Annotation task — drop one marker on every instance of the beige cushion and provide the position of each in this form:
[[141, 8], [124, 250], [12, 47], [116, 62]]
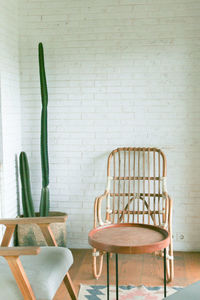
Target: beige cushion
[[45, 272]]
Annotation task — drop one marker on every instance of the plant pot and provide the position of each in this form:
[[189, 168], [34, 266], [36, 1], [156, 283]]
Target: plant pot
[[31, 235]]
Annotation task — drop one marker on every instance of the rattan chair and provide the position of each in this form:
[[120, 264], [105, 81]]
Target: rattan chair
[[136, 193]]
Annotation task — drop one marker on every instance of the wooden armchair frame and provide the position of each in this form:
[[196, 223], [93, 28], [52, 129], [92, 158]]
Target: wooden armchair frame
[[11, 254], [136, 192]]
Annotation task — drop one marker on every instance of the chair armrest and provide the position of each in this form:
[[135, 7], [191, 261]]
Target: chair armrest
[[97, 209], [170, 204], [169, 199], [35, 220], [17, 251], [104, 195]]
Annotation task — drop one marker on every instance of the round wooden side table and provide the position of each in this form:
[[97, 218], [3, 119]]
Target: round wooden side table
[[129, 238]]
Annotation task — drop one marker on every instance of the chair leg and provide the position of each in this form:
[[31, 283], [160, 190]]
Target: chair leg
[[70, 287], [170, 263], [170, 249], [171, 266], [48, 234], [170, 270], [95, 273], [20, 277], [8, 235]]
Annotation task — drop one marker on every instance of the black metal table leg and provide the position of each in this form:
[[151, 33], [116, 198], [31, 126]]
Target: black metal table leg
[[117, 287], [165, 280], [108, 255]]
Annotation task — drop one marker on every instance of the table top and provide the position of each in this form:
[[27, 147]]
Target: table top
[[129, 238]]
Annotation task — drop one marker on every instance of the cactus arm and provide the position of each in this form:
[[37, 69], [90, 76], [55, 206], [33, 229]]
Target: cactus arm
[[27, 202]]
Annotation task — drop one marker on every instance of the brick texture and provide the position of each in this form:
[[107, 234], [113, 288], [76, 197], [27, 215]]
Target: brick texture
[[10, 111], [120, 73]]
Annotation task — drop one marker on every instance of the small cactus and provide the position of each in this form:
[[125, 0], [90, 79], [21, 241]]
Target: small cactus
[[27, 202]]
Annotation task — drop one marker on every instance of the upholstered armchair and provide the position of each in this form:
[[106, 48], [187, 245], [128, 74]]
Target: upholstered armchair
[[33, 273], [190, 292]]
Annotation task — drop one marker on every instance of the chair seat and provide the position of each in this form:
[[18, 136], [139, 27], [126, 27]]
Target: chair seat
[[191, 292], [45, 272]]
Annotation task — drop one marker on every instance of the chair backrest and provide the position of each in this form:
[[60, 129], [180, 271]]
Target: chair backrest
[[136, 186]]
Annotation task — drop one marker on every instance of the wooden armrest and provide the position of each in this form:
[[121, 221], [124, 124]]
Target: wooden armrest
[[35, 220], [17, 251]]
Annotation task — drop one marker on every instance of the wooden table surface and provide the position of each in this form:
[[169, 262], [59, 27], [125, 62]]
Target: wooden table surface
[[129, 238]]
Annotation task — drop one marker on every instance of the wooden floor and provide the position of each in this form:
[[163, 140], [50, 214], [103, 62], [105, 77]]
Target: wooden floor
[[133, 269]]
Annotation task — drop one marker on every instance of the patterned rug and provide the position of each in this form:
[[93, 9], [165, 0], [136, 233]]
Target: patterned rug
[[99, 292]]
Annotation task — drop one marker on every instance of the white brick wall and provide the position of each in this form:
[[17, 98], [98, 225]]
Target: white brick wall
[[120, 73], [10, 127]]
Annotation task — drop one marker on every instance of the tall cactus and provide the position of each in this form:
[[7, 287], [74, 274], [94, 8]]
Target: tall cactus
[[24, 167], [44, 201], [27, 202]]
